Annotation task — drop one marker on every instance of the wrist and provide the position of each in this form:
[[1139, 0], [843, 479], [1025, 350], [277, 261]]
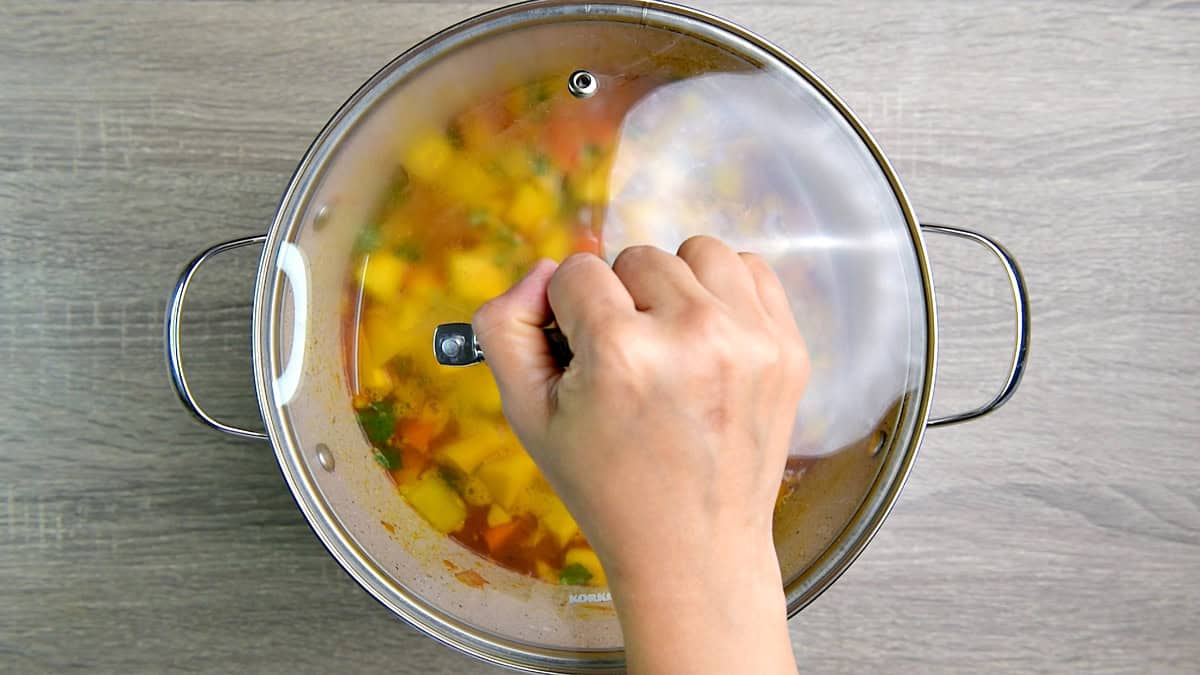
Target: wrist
[[722, 613]]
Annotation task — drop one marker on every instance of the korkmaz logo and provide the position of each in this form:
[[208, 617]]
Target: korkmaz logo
[[579, 598]]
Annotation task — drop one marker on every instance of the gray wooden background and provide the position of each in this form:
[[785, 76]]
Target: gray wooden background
[[1060, 534]]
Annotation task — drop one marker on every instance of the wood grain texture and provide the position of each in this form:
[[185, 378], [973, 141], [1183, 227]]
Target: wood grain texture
[[1060, 534]]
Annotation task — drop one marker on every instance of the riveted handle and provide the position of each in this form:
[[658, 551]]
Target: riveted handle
[[173, 328], [1016, 281]]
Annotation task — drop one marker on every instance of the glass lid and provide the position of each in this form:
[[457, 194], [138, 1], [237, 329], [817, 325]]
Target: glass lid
[[537, 131]]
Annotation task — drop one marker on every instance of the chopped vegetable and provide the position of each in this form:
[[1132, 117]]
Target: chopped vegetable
[[436, 501], [475, 277], [387, 459], [474, 200], [507, 477], [382, 274], [587, 559], [455, 136], [378, 421], [407, 251], [574, 575], [559, 523], [501, 536], [532, 207], [429, 156], [497, 516], [368, 240], [474, 492]]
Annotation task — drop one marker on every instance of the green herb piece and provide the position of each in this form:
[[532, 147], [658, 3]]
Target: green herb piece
[[394, 194], [407, 251], [401, 365], [541, 164], [368, 240], [574, 575], [387, 459], [507, 237], [378, 421], [455, 136], [591, 152], [536, 93]]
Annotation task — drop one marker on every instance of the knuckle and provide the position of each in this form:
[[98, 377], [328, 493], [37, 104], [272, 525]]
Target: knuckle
[[699, 244], [490, 321], [633, 257], [568, 270], [574, 260], [489, 315], [706, 322]]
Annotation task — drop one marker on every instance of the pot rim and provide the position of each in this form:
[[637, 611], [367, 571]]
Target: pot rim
[[268, 297]]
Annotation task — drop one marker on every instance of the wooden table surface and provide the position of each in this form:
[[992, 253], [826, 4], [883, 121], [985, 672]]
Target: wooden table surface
[[1060, 534]]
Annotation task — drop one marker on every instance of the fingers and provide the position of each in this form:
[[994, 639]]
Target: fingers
[[720, 270], [656, 279], [583, 293], [509, 329], [769, 290]]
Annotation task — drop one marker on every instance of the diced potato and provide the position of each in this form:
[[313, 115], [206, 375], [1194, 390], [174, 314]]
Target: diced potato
[[545, 572], [470, 184], [532, 207], [382, 275], [392, 329], [496, 515], [560, 523], [587, 558], [474, 492], [535, 501], [377, 381], [556, 245], [465, 454], [474, 275], [593, 186], [437, 502], [477, 442], [514, 164], [429, 156], [507, 477]]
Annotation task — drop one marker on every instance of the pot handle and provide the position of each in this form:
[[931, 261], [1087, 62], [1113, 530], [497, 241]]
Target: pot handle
[[173, 326], [1016, 368]]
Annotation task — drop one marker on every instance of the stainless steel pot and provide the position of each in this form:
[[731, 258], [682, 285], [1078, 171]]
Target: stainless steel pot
[[832, 218]]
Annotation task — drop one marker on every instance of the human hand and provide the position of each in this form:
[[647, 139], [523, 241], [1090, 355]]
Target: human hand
[[667, 434]]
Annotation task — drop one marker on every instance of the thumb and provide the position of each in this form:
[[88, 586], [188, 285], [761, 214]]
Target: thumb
[[509, 329]]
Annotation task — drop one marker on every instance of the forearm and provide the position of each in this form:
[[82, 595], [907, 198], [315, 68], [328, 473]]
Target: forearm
[[722, 614]]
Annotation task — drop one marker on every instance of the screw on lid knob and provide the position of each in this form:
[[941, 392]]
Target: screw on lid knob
[[454, 344], [582, 84]]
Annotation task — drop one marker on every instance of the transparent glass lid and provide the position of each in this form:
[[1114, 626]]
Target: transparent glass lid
[[534, 132]]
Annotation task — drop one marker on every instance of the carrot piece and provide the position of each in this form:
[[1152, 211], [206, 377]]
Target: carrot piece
[[418, 433], [499, 536], [412, 463], [563, 140], [586, 241]]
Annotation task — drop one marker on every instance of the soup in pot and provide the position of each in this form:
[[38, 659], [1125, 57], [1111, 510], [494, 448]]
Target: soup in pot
[[519, 176]]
